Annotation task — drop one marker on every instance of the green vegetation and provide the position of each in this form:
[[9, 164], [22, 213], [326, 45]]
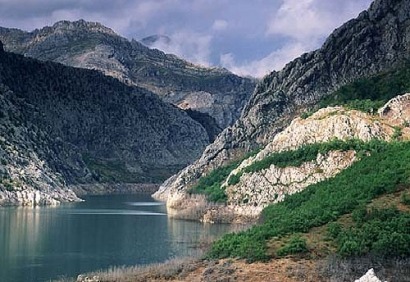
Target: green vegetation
[[383, 232], [296, 245], [210, 185], [306, 153], [369, 94], [307, 114], [397, 133], [405, 199], [381, 172]]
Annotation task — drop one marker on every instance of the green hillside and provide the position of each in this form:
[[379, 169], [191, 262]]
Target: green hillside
[[385, 170]]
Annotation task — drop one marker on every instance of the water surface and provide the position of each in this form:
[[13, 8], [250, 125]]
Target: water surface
[[45, 243]]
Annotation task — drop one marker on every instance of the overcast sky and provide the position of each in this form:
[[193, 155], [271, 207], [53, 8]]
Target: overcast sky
[[249, 37]]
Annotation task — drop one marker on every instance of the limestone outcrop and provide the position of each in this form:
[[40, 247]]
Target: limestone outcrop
[[255, 190], [370, 276]]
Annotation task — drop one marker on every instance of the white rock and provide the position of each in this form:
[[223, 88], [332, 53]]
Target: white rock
[[370, 276]]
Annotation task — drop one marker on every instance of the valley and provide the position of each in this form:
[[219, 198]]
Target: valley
[[309, 166]]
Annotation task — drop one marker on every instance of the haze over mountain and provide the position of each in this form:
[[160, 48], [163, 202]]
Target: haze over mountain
[[213, 91]]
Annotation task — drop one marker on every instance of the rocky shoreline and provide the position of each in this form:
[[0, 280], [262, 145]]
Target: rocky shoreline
[[31, 197]]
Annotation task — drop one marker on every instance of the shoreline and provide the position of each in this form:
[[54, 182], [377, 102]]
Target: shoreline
[[113, 188], [71, 193]]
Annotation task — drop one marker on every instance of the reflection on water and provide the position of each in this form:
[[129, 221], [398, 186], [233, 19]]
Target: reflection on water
[[39, 244], [112, 212]]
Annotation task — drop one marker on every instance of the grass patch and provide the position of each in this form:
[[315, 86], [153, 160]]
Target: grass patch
[[385, 169]]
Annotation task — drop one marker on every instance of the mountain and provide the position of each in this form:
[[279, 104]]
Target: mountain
[[213, 91], [62, 126], [377, 41]]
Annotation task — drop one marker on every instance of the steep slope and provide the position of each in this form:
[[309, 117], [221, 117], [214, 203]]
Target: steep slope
[[376, 41], [308, 151], [62, 126], [213, 91]]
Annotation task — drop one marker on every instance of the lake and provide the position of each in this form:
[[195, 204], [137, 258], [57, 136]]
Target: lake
[[45, 243]]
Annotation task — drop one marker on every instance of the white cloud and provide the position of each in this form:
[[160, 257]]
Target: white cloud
[[259, 68], [189, 45], [220, 25], [301, 26], [301, 19]]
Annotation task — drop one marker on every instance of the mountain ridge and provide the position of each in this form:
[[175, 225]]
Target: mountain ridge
[[63, 126], [214, 91]]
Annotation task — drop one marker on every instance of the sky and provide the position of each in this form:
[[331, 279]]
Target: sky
[[248, 37]]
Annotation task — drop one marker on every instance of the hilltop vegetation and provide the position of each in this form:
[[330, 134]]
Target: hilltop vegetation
[[369, 94]]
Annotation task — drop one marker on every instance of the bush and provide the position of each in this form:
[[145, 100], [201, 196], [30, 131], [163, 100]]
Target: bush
[[234, 179], [384, 232], [334, 229], [296, 245], [210, 185], [405, 199], [369, 94]]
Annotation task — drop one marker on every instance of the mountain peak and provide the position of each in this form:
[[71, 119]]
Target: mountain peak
[[81, 25]]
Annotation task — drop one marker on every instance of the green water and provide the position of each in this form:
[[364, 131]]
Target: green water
[[41, 244]]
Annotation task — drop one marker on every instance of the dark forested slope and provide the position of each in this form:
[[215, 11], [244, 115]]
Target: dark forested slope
[[88, 127]]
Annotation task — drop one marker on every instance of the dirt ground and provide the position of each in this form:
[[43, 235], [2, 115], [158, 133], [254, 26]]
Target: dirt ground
[[281, 270]]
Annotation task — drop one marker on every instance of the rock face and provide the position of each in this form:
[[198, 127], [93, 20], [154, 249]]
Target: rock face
[[213, 91], [271, 185], [370, 276], [377, 40], [61, 126], [253, 191]]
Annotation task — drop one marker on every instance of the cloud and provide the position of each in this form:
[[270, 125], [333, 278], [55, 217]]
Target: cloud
[[301, 26], [189, 45], [261, 67], [263, 34], [307, 19], [220, 25]]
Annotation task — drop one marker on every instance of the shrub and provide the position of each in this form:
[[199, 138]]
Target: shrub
[[405, 199], [296, 245], [210, 185], [334, 229], [384, 232]]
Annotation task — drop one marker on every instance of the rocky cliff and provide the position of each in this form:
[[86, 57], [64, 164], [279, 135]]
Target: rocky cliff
[[377, 40], [61, 126], [259, 182], [213, 91]]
